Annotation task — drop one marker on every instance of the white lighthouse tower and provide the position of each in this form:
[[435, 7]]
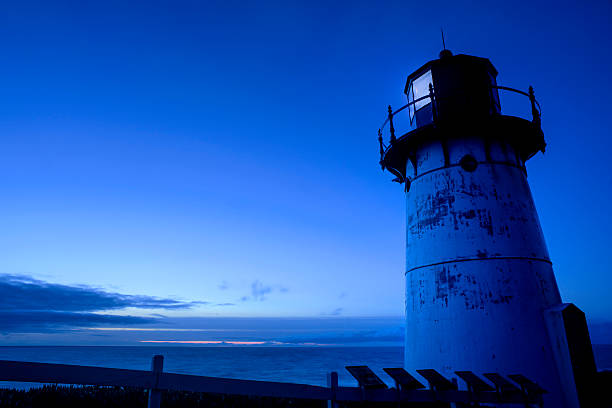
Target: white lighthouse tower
[[480, 289]]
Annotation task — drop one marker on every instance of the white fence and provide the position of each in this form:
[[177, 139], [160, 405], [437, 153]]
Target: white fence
[[156, 381]]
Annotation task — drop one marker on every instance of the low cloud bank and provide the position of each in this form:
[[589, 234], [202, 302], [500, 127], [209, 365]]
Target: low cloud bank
[[32, 305]]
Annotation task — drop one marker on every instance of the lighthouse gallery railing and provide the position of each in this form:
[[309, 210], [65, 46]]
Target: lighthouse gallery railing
[[536, 111]]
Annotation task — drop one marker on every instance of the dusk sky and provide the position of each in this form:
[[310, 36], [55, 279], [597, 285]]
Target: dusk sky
[[163, 163]]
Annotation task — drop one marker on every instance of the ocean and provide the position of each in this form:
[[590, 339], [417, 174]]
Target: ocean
[[305, 365]]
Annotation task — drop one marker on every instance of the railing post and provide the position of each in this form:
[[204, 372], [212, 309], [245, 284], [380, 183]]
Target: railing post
[[391, 128], [534, 112], [157, 367], [332, 383], [434, 113], [382, 150]]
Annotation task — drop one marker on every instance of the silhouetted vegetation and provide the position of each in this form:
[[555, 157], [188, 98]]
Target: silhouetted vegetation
[[125, 397]]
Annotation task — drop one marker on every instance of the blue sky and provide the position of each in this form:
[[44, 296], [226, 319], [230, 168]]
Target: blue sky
[[219, 159]]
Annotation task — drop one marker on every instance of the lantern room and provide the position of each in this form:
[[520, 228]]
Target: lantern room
[[453, 97], [454, 87]]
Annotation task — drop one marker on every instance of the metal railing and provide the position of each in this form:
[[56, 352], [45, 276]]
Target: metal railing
[[156, 381], [535, 112]]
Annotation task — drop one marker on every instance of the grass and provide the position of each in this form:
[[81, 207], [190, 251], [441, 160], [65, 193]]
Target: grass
[[125, 397]]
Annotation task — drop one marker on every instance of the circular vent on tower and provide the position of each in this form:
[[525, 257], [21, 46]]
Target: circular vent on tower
[[468, 163]]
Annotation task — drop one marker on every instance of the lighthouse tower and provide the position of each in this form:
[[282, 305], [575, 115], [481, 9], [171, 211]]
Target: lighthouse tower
[[481, 294]]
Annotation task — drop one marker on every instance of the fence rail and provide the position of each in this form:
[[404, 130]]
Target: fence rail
[[156, 381]]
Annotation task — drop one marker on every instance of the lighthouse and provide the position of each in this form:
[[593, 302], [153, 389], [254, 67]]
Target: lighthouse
[[481, 294]]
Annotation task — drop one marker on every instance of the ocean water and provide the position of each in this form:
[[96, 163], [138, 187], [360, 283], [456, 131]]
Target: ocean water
[[305, 365]]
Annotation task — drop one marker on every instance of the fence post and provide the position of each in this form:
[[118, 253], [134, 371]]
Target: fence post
[[332, 383], [157, 367]]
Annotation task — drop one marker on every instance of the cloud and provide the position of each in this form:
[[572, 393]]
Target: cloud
[[391, 336], [322, 331], [27, 304], [207, 342], [36, 321], [95, 329], [223, 286], [225, 304], [336, 312], [25, 293], [259, 291]]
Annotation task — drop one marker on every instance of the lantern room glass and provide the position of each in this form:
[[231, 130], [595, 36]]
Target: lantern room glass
[[419, 87]]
